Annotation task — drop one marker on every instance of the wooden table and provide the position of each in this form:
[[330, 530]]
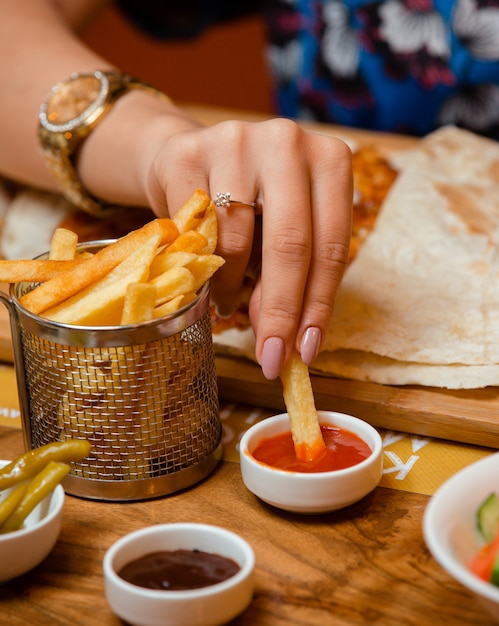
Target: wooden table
[[366, 564]]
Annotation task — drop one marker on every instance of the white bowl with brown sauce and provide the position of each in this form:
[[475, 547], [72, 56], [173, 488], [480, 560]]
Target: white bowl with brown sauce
[[180, 574], [314, 489]]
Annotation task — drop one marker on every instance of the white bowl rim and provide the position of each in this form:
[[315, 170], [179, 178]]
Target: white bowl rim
[[182, 594], [57, 502], [452, 565], [307, 476]]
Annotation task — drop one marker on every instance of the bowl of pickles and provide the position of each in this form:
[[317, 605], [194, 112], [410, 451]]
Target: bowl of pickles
[[32, 503]]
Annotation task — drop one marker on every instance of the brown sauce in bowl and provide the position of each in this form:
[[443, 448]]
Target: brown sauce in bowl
[[174, 570]]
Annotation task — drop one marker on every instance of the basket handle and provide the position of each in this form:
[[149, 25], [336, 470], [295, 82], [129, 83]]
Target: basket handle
[[22, 389]]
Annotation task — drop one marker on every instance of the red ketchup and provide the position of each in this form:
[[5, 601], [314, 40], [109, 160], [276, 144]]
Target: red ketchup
[[172, 570], [343, 449]]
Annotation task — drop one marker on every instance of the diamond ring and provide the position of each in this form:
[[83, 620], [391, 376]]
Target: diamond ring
[[223, 199]]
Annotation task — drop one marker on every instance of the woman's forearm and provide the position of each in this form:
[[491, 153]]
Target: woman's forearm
[[40, 41]]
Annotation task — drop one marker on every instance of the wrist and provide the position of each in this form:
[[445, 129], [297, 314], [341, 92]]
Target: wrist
[[115, 162]]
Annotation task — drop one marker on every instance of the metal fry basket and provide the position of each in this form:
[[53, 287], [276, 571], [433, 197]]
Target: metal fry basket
[[145, 396]]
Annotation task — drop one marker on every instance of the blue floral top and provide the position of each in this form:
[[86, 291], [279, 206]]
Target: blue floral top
[[396, 65], [406, 66]]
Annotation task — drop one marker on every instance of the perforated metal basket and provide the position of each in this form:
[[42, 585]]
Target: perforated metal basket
[[145, 396]]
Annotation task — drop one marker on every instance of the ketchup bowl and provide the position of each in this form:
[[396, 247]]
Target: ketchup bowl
[[315, 491], [188, 595]]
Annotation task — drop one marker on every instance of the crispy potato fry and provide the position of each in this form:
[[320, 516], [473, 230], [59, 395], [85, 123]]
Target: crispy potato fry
[[203, 267], [189, 216], [63, 245], [300, 405], [58, 289], [176, 257], [174, 305], [97, 306], [190, 241], [164, 262], [209, 228], [139, 302], [173, 283], [34, 270], [109, 289]]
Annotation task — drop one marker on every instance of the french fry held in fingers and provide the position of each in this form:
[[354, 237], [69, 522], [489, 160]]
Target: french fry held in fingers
[[300, 405]]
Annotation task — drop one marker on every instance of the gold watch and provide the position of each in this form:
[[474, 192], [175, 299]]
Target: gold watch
[[70, 112]]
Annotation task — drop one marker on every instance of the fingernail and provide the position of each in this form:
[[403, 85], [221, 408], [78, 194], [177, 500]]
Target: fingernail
[[272, 357], [310, 342]]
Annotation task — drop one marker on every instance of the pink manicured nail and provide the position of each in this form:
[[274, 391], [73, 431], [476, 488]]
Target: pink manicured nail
[[310, 342], [272, 357]]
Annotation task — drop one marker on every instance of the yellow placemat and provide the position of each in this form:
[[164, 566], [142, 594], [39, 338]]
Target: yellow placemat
[[411, 463], [9, 402]]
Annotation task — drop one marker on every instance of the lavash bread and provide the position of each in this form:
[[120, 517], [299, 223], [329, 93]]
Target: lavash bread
[[420, 304]]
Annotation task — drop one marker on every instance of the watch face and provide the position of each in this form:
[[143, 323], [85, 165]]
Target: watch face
[[73, 101]]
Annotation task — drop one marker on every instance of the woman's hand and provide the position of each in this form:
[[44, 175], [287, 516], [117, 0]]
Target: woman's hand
[[302, 185]]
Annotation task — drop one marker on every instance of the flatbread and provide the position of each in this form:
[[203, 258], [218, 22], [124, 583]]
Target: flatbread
[[420, 304]]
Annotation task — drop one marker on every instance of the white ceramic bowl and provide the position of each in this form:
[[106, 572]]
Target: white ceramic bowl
[[450, 530], [24, 549], [310, 493], [206, 606]]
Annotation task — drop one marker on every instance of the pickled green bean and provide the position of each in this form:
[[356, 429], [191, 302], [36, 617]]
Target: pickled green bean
[[9, 504], [41, 485], [33, 461]]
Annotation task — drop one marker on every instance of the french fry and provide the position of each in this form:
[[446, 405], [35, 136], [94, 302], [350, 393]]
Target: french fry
[[191, 214], [139, 302], [203, 267], [300, 405], [174, 305], [164, 262], [63, 245], [34, 270], [173, 283], [190, 241], [97, 307], [58, 289], [105, 295], [208, 227]]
